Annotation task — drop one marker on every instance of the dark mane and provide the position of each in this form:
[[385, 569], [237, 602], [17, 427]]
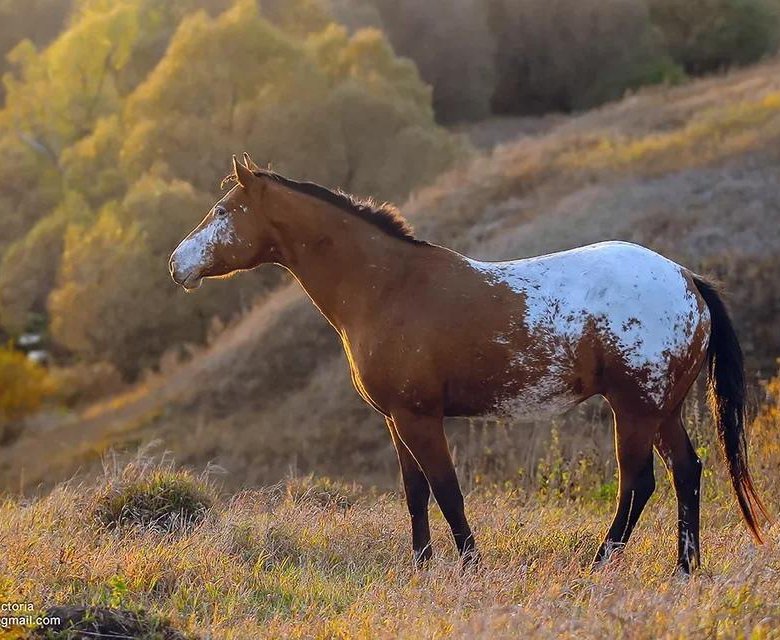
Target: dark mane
[[385, 216]]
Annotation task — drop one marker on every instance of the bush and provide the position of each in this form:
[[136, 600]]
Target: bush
[[563, 55], [24, 386], [453, 48], [162, 500], [707, 35], [83, 383]]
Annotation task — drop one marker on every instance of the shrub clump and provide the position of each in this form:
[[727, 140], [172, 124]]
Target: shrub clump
[[709, 35], [164, 501], [24, 386]]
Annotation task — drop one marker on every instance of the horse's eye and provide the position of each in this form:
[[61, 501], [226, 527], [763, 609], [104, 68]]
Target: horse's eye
[[220, 211]]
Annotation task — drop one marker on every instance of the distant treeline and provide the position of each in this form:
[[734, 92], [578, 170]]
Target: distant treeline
[[507, 56], [534, 56]]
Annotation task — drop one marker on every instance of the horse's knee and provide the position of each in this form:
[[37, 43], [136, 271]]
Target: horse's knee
[[638, 487], [646, 482], [687, 479]]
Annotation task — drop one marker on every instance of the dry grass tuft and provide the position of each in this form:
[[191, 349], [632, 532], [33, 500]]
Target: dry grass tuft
[[158, 499], [322, 491]]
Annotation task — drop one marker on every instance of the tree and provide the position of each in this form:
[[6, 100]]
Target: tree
[[562, 55], [28, 269], [23, 388], [38, 21], [707, 35], [114, 299], [453, 47], [136, 135], [242, 83]]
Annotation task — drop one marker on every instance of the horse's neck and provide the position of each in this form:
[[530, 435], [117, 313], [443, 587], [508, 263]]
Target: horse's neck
[[344, 263]]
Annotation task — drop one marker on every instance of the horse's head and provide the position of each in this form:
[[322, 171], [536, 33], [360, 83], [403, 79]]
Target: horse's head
[[232, 237]]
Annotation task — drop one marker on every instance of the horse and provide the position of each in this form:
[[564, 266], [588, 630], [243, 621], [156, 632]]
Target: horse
[[429, 333]]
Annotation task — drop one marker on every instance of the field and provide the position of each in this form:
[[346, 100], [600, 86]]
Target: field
[[316, 559], [150, 550]]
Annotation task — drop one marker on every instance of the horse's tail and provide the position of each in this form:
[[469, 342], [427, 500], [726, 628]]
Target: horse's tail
[[726, 397]]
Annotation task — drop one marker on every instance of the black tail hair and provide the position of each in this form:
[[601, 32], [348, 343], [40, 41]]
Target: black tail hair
[[726, 396]]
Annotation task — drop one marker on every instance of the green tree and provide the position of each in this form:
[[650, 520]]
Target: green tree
[[563, 55], [452, 45], [707, 35]]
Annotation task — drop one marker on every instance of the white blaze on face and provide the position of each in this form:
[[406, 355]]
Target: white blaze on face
[[195, 253]]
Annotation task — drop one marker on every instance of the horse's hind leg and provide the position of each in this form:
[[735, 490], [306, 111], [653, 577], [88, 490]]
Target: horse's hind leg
[[678, 454], [634, 448]]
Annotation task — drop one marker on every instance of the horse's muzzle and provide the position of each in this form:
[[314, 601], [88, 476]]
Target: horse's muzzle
[[189, 280]]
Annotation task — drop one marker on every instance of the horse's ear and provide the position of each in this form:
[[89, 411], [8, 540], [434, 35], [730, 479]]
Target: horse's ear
[[243, 175], [250, 164]]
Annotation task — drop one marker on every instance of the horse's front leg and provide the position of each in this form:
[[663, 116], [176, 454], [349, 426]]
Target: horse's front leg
[[417, 493], [424, 438]]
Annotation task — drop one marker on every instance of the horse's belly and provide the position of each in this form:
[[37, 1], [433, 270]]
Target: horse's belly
[[519, 396], [536, 402]]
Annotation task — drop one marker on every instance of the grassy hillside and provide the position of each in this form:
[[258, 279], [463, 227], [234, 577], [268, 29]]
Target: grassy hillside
[[692, 171]]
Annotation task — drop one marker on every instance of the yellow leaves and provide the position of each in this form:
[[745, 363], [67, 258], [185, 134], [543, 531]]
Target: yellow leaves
[[100, 39], [23, 386], [765, 444], [139, 88], [367, 57], [71, 83]]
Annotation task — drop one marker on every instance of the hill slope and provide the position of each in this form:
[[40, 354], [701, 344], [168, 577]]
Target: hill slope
[[692, 172]]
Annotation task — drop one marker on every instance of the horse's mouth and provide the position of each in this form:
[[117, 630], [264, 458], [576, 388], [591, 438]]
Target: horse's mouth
[[191, 282]]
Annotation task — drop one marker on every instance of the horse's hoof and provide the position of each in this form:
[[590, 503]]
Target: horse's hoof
[[422, 558], [471, 561], [682, 570]]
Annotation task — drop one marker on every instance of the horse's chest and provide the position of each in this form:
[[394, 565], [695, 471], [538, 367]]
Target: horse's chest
[[391, 376]]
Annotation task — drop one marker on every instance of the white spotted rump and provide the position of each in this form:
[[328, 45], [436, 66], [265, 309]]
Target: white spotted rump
[[640, 304]]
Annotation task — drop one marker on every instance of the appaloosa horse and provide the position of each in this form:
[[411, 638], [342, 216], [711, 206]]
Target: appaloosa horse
[[430, 333]]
